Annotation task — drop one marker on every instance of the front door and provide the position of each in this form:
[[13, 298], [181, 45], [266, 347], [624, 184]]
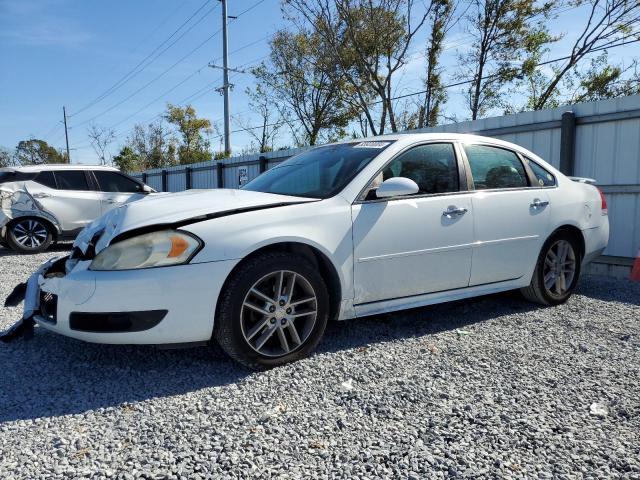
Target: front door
[[417, 244], [511, 217], [116, 189]]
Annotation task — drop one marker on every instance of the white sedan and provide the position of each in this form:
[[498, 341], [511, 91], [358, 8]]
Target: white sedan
[[340, 231]]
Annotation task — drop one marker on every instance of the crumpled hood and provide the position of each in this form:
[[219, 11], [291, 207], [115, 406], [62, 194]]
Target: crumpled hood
[[176, 208]]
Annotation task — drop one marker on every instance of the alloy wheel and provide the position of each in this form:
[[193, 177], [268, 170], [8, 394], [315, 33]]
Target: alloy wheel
[[278, 313], [559, 268], [30, 233]]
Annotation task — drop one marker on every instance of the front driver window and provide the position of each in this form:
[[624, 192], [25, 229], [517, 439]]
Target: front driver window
[[114, 182], [432, 166], [493, 167]]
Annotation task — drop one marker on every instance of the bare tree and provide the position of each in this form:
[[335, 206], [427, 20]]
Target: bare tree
[[100, 139], [271, 122], [609, 22]]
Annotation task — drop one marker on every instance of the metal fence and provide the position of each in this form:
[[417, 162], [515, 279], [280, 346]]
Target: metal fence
[[599, 140]]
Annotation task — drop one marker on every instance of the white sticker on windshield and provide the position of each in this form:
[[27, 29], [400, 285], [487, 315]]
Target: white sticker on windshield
[[371, 144]]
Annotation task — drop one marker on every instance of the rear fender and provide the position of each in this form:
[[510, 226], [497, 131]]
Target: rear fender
[[18, 203]]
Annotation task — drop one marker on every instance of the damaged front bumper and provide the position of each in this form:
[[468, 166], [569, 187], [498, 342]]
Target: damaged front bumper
[[39, 306]]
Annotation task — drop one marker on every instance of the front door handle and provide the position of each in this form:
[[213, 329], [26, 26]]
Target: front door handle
[[454, 211], [112, 201], [537, 203], [41, 195]]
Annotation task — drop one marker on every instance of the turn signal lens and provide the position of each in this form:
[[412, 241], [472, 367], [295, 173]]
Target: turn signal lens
[[155, 249]]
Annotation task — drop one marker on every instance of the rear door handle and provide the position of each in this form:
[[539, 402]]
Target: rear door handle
[[111, 201], [454, 211], [537, 203]]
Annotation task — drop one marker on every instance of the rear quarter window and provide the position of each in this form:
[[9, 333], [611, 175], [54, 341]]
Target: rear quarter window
[[543, 177]]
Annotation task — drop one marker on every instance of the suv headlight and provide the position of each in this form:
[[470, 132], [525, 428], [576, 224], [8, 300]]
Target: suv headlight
[[155, 249]]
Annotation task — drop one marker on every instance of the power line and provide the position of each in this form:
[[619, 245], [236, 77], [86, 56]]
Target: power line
[[134, 71]]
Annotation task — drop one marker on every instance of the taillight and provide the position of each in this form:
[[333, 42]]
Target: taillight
[[603, 201]]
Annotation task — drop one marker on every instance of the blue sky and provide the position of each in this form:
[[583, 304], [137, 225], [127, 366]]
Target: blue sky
[[65, 52]]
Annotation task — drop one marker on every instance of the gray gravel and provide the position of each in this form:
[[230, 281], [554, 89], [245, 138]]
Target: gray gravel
[[482, 388]]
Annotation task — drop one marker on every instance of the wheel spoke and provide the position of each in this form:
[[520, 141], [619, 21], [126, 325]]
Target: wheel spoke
[[301, 301], [283, 340], [256, 308], [549, 280], [291, 286], [303, 314], [257, 328], [279, 284], [19, 229], [294, 334], [264, 297], [266, 335]]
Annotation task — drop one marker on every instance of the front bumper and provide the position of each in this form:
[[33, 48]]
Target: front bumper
[[166, 305]]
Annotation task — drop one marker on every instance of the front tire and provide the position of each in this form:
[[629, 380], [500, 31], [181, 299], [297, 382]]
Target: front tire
[[273, 310], [29, 235], [555, 277]]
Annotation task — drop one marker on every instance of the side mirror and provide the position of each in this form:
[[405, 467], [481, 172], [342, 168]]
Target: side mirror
[[396, 187], [147, 189]]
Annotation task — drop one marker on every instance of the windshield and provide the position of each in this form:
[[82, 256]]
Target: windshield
[[318, 173]]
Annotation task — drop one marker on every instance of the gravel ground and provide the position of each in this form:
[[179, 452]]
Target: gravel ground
[[492, 387]]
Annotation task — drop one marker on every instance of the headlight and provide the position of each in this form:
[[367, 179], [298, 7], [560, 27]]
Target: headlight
[[156, 249]]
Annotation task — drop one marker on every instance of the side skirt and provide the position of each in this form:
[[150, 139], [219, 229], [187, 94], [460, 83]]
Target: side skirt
[[395, 304]]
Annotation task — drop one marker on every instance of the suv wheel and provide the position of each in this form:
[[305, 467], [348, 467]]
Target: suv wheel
[[29, 235], [273, 311]]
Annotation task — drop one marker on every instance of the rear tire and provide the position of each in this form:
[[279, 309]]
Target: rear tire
[[272, 310], [29, 235], [557, 271]]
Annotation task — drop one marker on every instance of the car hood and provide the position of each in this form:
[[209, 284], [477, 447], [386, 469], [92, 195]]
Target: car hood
[[174, 210]]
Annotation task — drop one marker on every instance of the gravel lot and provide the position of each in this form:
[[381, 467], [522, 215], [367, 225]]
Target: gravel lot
[[482, 388]]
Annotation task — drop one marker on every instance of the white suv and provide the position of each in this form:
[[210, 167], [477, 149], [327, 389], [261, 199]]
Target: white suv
[[45, 203]]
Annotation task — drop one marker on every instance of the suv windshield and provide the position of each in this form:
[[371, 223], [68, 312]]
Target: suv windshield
[[318, 173]]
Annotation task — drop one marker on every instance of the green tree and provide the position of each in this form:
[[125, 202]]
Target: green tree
[[194, 146], [128, 161], [153, 145], [310, 98], [368, 43], [38, 152], [6, 158], [504, 33]]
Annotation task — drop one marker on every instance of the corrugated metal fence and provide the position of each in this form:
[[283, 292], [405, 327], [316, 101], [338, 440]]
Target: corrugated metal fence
[[599, 140]]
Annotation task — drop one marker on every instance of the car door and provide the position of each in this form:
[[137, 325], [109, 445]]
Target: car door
[[415, 244], [73, 201], [115, 189], [511, 215]]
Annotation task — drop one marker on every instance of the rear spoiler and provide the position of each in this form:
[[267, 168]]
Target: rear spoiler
[[590, 181]]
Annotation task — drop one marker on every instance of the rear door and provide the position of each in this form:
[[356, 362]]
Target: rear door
[[416, 244], [511, 214], [115, 189], [73, 202]]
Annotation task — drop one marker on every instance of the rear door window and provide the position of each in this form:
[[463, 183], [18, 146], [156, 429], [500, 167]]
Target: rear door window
[[46, 178], [115, 182], [493, 167], [72, 180]]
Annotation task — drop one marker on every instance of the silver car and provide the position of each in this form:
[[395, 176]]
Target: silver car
[[45, 203]]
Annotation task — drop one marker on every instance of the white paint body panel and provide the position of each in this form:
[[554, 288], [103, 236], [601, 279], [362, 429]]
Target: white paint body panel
[[388, 255]]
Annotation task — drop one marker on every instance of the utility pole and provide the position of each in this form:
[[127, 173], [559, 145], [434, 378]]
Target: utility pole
[[66, 134], [225, 79]]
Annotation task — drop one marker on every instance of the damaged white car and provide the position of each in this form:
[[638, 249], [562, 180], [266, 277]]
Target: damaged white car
[[340, 231], [42, 204]]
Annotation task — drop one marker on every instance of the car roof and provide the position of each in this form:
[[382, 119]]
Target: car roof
[[58, 166]]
